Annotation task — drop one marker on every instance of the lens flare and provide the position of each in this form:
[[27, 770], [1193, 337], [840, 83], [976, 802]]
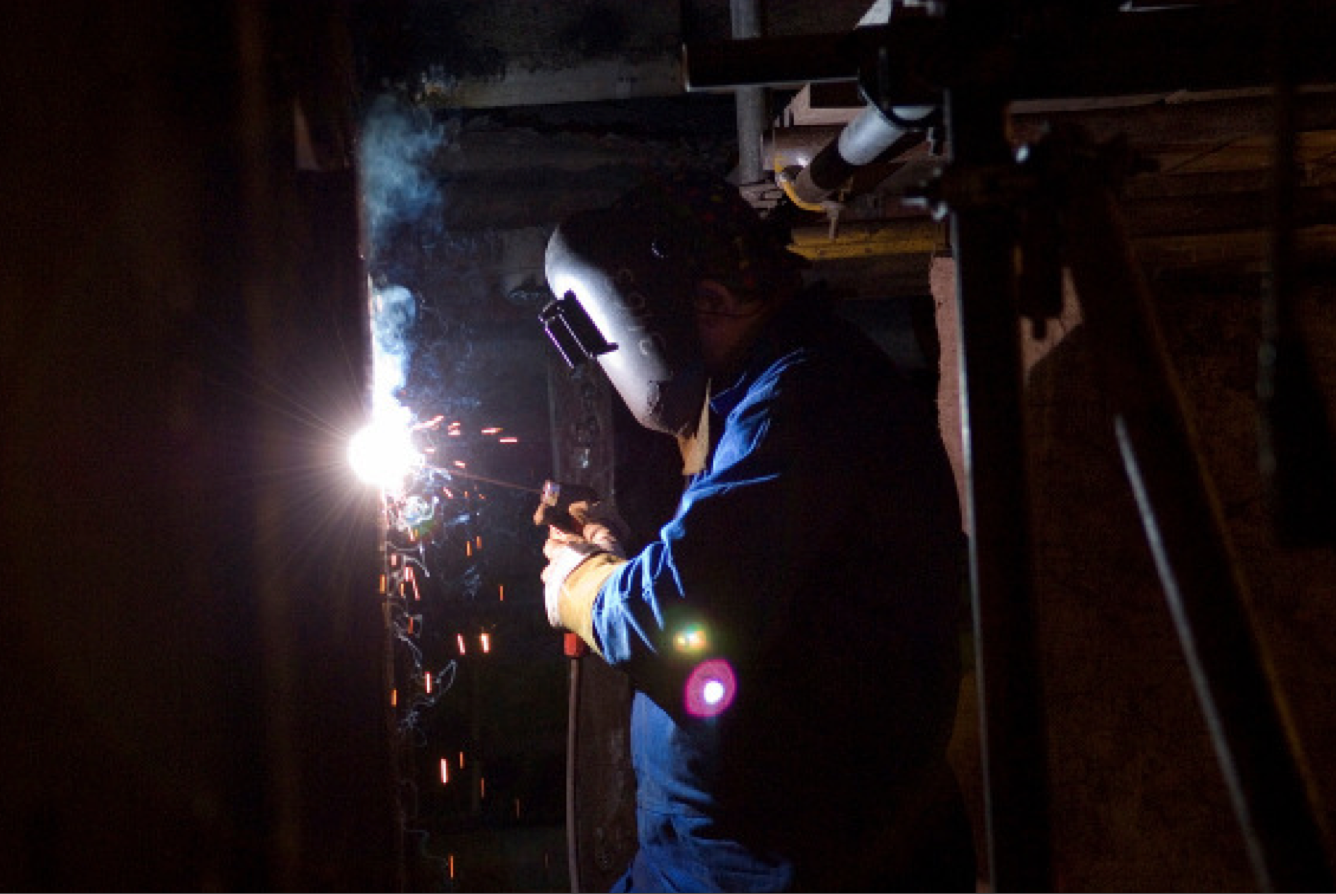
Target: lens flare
[[383, 454], [690, 639], [710, 688]]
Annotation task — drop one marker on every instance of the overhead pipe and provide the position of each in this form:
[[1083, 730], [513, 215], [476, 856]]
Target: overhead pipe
[[901, 66], [790, 61], [1162, 50]]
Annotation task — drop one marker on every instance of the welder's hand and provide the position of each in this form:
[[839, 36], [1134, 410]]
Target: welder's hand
[[577, 568], [565, 552], [601, 525]]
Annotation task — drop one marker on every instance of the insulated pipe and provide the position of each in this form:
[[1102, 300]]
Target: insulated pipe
[[861, 142]]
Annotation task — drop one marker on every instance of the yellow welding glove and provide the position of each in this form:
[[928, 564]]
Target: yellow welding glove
[[575, 572]]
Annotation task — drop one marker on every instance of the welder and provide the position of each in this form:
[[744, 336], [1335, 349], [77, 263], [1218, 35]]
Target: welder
[[792, 633]]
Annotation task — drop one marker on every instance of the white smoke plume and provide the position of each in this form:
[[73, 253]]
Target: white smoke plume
[[393, 310], [396, 148]]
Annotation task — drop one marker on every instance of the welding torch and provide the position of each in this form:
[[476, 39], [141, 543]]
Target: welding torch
[[554, 506], [554, 509]]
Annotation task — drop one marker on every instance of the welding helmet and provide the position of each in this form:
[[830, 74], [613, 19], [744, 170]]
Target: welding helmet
[[625, 276]]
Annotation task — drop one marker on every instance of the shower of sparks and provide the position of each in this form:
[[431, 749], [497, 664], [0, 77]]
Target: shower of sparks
[[431, 502], [388, 453]]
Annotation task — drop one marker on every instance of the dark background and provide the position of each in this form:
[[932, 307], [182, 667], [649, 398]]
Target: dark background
[[206, 686]]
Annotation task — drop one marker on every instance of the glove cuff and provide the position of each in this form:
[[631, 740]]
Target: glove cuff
[[575, 601]]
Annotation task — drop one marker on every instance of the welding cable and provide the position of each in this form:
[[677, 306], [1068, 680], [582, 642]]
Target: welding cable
[[572, 763]]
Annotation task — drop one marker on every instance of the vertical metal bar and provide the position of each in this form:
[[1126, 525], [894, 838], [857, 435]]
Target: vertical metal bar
[[1015, 763], [749, 101], [1297, 453], [1185, 529]]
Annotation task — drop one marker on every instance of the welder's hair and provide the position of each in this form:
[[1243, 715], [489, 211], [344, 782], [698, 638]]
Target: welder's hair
[[702, 222]]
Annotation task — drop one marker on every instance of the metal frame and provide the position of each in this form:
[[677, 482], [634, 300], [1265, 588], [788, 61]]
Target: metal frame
[[974, 59]]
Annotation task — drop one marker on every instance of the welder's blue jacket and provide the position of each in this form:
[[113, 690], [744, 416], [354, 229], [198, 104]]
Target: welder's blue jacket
[[813, 571]]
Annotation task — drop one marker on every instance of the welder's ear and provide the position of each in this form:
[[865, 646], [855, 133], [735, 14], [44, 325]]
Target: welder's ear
[[716, 299], [712, 296]]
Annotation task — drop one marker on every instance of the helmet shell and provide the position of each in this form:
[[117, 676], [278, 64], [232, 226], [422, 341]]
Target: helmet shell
[[627, 271]]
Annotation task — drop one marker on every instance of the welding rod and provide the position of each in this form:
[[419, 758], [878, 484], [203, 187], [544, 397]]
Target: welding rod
[[498, 482]]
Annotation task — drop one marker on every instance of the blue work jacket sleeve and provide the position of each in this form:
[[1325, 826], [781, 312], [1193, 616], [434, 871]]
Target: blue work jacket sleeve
[[720, 574]]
